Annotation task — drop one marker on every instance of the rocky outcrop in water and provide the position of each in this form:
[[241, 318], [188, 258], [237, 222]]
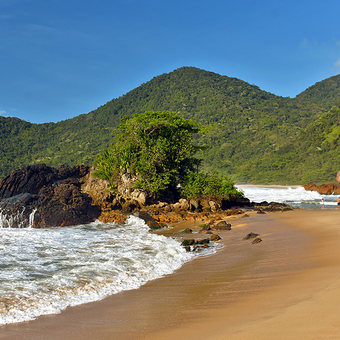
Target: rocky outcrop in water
[[324, 189], [53, 194], [67, 196]]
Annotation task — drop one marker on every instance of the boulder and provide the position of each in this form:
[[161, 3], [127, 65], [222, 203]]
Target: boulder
[[184, 204], [140, 196], [215, 237], [53, 194], [203, 241], [250, 236], [222, 225], [256, 240], [64, 205], [149, 220], [187, 231], [194, 203], [214, 206]]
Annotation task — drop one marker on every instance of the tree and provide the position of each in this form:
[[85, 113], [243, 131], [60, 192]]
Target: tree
[[154, 150]]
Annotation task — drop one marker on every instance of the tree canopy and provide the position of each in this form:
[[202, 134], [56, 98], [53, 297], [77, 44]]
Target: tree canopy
[[155, 152], [153, 149]]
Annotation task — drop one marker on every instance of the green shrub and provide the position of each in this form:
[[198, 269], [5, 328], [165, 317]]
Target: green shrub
[[203, 184]]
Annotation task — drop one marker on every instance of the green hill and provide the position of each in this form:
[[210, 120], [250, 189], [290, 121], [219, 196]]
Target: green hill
[[325, 93], [312, 157], [244, 123]]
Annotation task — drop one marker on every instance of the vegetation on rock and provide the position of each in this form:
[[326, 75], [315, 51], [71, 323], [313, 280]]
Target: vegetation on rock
[[204, 184], [154, 152]]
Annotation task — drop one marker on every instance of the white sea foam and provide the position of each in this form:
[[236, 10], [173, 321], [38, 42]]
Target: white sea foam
[[43, 271], [297, 197], [7, 221]]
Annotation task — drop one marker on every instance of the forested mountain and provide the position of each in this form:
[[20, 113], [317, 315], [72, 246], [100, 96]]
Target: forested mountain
[[244, 125], [325, 93], [313, 156]]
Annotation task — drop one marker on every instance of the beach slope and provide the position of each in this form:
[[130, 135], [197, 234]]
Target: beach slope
[[285, 287]]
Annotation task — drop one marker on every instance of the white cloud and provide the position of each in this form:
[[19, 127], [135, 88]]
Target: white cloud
[[3, 112], [337, 63]]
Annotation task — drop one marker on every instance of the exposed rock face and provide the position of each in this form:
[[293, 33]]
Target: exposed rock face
[[13, 211], [53, 194], [67, 196], [338, 177], [324, 189]]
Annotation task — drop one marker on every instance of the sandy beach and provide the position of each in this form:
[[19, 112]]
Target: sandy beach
[[286, 287]]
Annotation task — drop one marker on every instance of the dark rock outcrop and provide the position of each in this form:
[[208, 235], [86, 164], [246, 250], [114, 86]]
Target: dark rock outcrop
[[67, 196], [53, 194], [270, 207]]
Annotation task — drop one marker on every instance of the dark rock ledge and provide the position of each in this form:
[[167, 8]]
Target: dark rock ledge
[[66, 196]]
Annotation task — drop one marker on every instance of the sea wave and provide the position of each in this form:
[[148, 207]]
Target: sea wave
[[297, 197], [43, 271]]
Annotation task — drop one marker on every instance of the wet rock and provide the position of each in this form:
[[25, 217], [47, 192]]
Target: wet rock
[[195, 245], [187, 231], [64, 205], [188, 242], [54, 193], [222, 225], [149, 220], [215, 237], [256, 240], [250, 236], [203, 241]]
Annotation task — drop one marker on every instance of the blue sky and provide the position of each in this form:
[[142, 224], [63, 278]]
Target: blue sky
[[63, 58]]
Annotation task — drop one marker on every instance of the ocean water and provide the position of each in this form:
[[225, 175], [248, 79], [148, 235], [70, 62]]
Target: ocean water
[[296, 197], [43, 271]]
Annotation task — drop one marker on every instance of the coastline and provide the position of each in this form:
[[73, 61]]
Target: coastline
[[276, 186], [243, 291]]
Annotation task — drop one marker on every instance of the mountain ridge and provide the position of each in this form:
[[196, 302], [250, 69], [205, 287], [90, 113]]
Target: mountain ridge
[[244, 121]]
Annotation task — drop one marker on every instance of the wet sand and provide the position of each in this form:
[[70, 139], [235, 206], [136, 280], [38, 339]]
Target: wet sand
[[286, 287]]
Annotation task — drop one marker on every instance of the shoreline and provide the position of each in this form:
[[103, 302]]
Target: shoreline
[[243, 291], [276, 186]]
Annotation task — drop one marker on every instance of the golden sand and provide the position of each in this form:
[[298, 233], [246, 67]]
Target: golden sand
[[286, 287]]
